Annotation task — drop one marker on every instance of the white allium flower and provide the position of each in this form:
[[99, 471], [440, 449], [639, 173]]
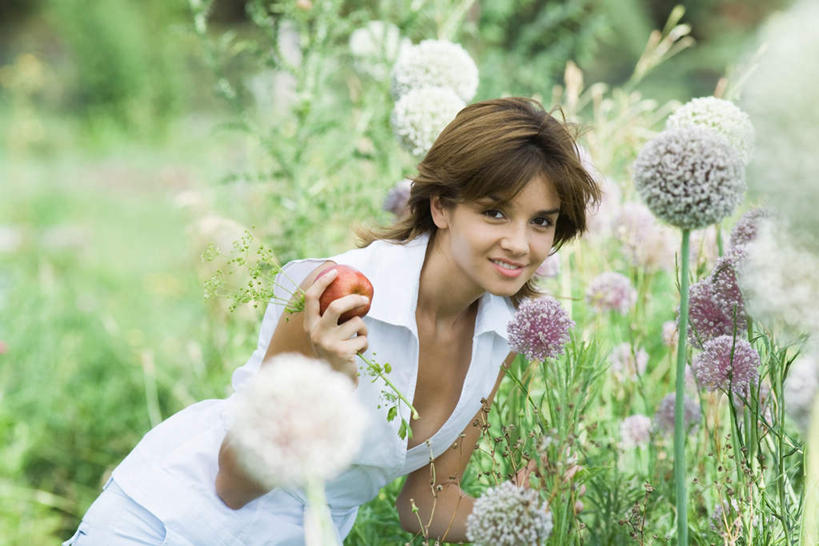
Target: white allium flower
[[298, 418], [421, 114], [507, 515], [779, 281], [375, 48], [720, 115], [800, 389], [435, 63], [627, 365], [690, 177], [647, 243], [780, 96], [635, 430]]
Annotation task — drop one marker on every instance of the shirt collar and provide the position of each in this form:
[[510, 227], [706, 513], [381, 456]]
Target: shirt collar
[[397, 278]]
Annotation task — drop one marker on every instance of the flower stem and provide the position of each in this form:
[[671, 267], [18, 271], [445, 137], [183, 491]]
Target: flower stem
[[679, 403]]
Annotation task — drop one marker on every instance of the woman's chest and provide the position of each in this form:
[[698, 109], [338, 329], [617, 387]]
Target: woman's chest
[[443, 365]]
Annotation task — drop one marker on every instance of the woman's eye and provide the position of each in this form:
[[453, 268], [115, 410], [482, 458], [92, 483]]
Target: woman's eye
[[542, 221], [493, 213]]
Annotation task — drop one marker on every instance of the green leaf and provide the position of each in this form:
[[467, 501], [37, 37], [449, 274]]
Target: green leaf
[[392, 412]]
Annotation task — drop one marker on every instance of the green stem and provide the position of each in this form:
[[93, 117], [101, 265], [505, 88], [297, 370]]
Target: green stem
[[679, 403], [376, 370]]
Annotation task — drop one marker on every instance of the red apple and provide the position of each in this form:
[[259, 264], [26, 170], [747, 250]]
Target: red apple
[[348, 281]]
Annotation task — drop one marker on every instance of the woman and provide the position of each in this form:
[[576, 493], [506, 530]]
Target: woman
[[500, 189]]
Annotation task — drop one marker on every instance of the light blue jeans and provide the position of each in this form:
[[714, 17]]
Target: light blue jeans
[[115, 519]]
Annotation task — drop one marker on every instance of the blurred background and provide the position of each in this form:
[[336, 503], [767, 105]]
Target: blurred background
[[136, 136]]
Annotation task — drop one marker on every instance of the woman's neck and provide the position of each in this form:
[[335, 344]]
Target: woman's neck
[[442, 299]]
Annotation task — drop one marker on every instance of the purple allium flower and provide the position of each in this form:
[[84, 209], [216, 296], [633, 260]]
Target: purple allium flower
[[635, 430], [726, 292], [671, 333], [627, 364], [397, 198], [550, 267], [707, 320], [690, 177], [716, 306], [611, 291], [508, 515], [746, 228], [664, 418], [725, 363], [540, 328]]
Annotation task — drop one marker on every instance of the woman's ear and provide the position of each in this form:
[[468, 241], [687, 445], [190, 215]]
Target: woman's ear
[[439, 212]]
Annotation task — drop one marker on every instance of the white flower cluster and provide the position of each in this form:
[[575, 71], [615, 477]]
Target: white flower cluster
[[375, 47], [779, 281], [780, 96], [690, 177], [436, 63], [297, 419], [507, 515], [635, 430], [721, 116], [420, 115]]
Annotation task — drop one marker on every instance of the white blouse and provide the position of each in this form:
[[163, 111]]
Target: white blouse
[[172, 470]]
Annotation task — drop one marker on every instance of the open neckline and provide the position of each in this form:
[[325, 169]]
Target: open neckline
[[429, 442]]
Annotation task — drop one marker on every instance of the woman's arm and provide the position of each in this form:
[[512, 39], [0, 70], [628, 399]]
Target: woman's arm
[[435, 489], [311, 334]]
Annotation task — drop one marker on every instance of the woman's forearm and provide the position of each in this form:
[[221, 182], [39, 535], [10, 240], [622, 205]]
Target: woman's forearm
[[233, 486]]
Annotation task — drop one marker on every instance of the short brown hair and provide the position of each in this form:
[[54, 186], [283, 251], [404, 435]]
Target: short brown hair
[[494, 148]]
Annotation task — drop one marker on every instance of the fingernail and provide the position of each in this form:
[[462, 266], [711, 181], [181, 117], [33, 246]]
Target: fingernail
[[365, 299]]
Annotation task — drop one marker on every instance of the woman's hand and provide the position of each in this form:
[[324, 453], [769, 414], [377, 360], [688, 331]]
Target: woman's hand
[[336, 343]]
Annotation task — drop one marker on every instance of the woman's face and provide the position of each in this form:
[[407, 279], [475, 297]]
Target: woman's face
[[497, 247]]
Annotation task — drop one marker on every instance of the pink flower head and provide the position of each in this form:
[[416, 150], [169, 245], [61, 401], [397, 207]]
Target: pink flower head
[[550, 267], [646, 243], [611, 291], [664, 418], [726, 292], [716, 306], [397, 199], [627, 364], [635, 430], [540, 328], [726, 363], [746, 227]]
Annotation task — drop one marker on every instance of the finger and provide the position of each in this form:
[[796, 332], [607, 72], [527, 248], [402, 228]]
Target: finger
[[352, 327], [342, 305], [356, 345], [312, 295]]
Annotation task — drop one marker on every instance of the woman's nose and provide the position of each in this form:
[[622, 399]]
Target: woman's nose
[[515, 240]]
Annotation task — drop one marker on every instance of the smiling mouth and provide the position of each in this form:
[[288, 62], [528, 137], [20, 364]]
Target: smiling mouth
[[507, 266]]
